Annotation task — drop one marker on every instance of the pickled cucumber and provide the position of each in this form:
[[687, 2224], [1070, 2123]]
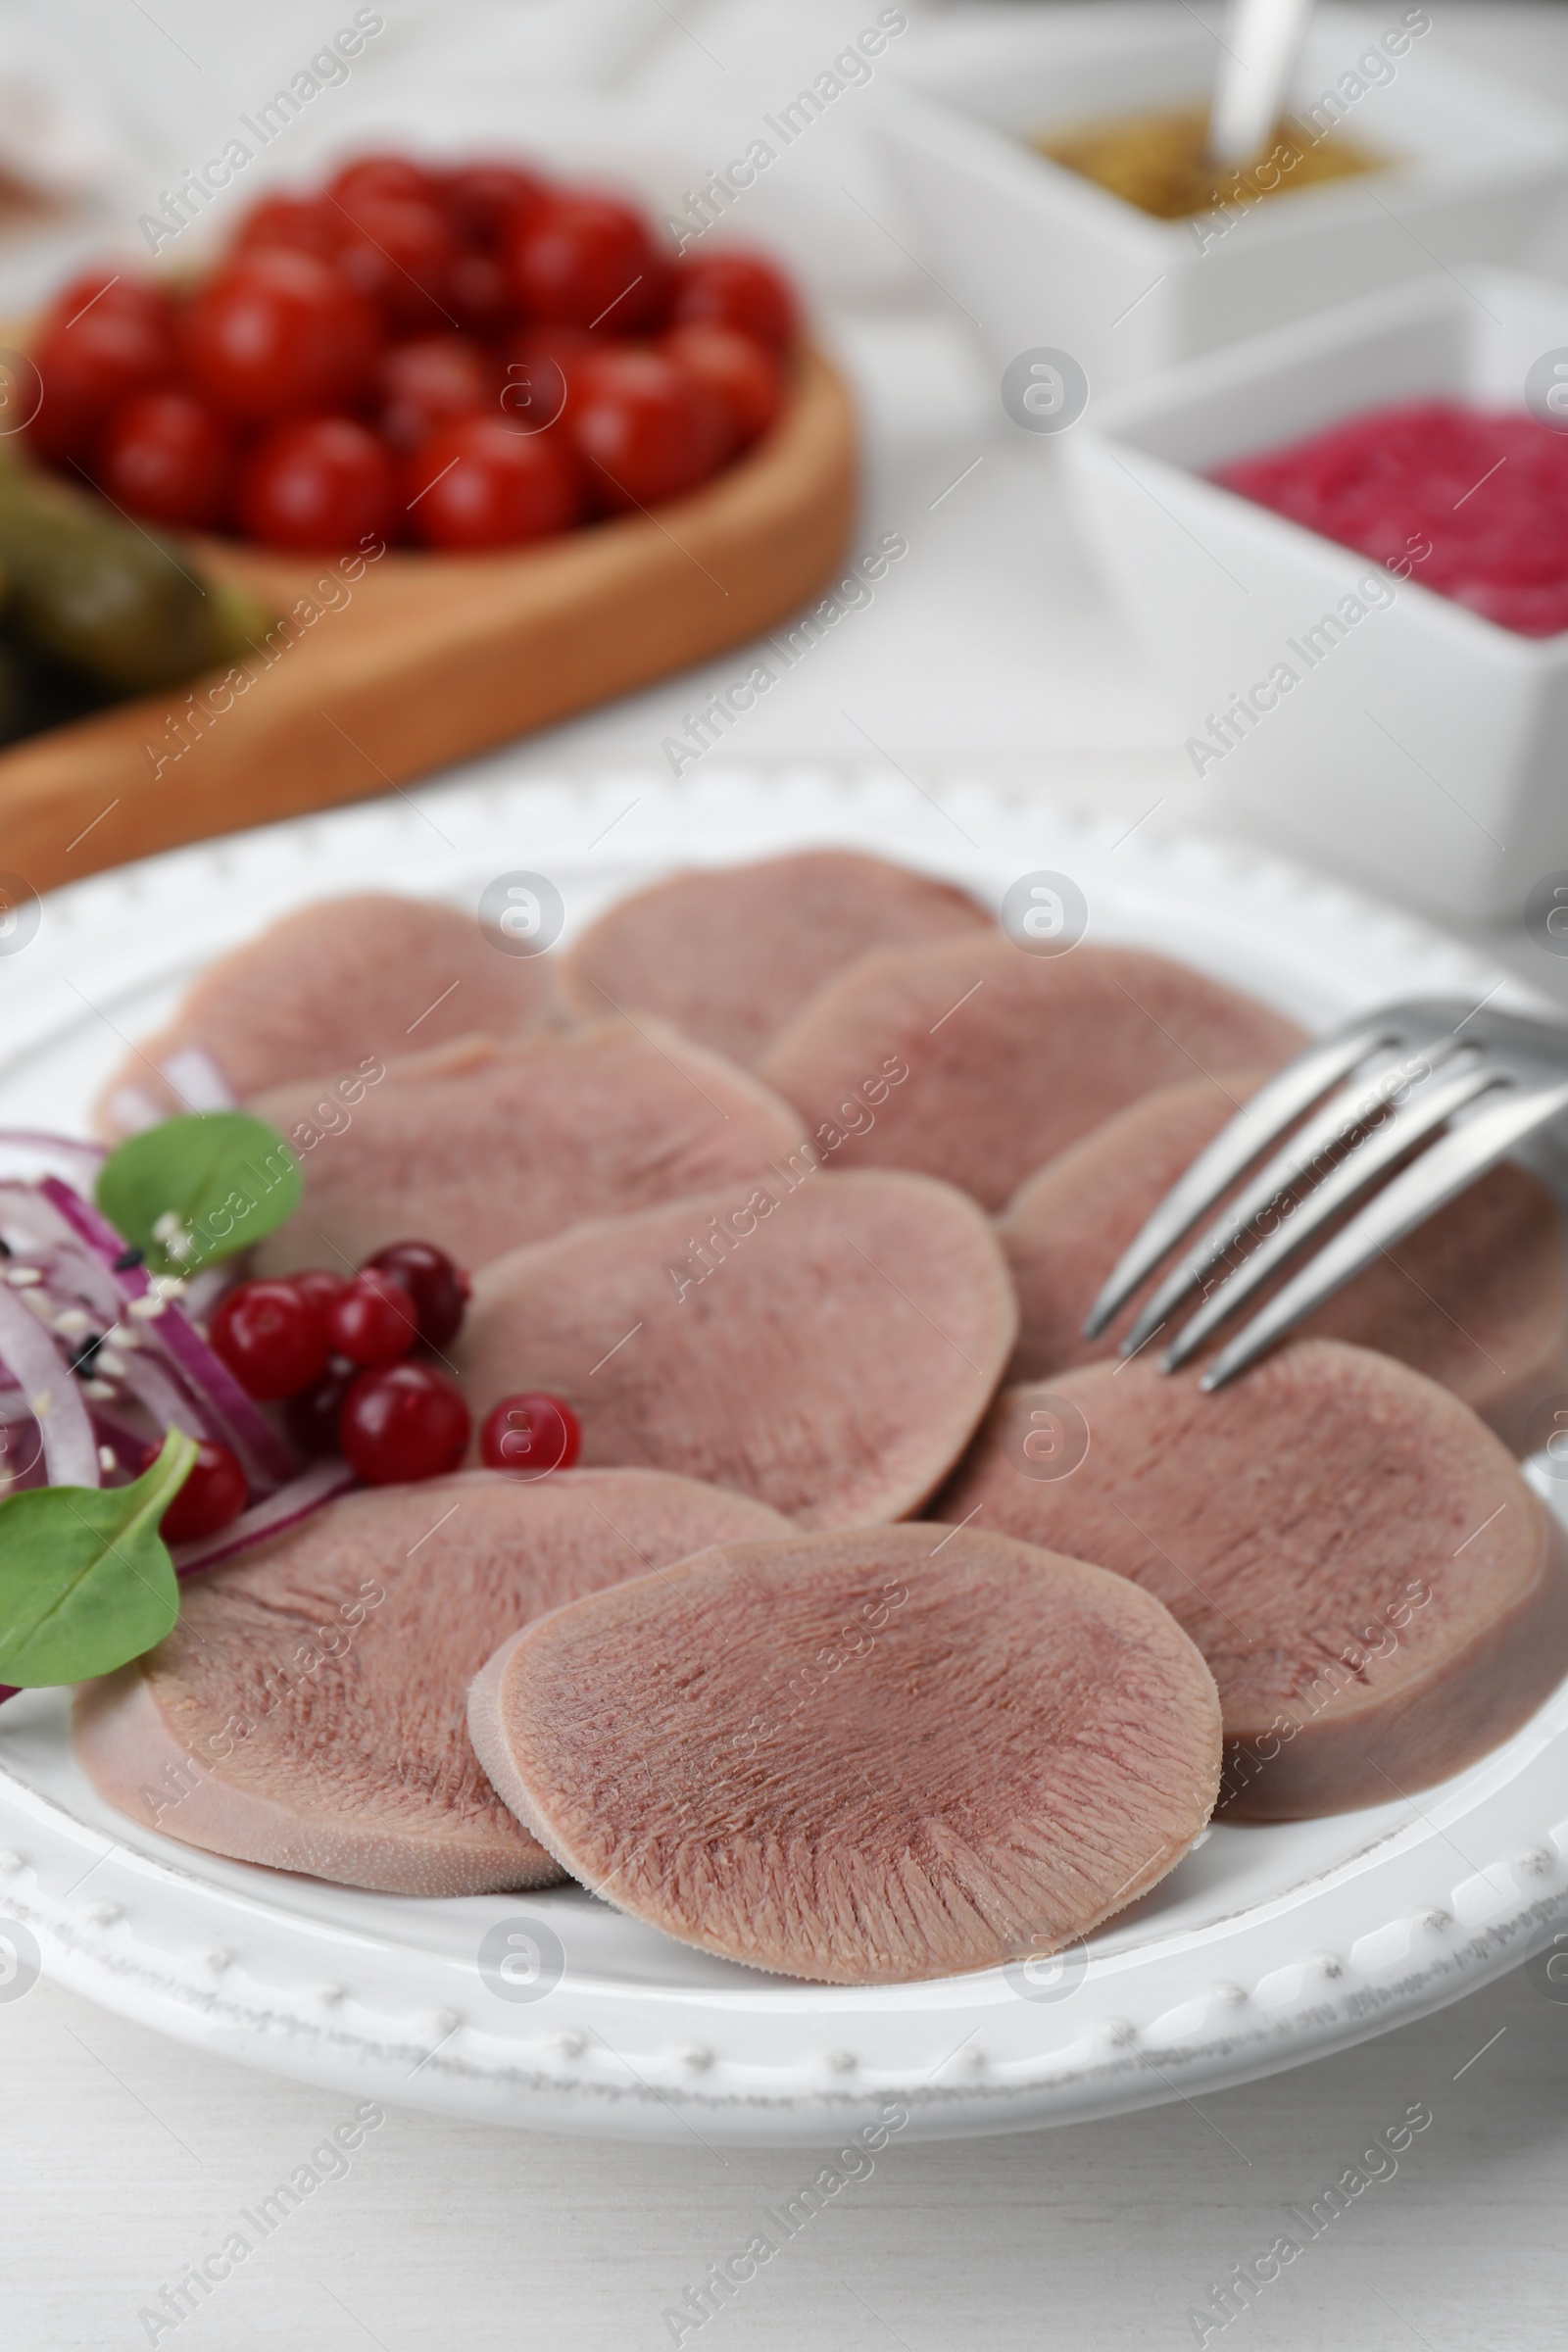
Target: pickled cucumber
[[123, 605]]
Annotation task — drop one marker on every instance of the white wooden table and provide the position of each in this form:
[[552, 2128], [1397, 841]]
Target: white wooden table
[[125, 2158]]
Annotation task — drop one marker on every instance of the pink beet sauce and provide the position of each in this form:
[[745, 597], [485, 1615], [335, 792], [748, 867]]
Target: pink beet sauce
[[1487, 490]]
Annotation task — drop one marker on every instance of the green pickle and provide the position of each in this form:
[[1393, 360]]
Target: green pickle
[[121, 604]]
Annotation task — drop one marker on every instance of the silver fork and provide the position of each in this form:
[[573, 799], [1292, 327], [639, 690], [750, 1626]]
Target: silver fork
[[1458, 1086]]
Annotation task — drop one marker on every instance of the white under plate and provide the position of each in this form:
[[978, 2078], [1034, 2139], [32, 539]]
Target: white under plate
[[1268, 1945]]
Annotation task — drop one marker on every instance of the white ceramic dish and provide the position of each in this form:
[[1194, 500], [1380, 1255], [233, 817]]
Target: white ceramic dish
[[1265, 1947], [1420, 741], [1039, 257]]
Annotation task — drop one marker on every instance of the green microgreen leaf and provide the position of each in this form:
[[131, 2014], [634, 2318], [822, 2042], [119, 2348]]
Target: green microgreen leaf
[[199, 1188], [86, 1579]]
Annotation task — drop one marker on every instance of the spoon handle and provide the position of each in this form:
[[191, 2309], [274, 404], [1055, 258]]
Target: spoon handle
[[1260, 45]]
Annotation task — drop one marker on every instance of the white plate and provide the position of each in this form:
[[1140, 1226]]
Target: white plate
[[1266, 1946]]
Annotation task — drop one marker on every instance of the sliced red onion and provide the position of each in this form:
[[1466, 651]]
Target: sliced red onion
[[232, 1415], [322, 1483], [266, 1459], [69, 1448], [159, 1396], [89, 1225], [66, 1154], [26, 1209]]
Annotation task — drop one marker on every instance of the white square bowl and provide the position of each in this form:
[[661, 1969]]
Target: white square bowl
[[1036, 256], [1418, 744]]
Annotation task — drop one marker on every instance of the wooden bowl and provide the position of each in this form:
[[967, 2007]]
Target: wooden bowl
[[423, 659]]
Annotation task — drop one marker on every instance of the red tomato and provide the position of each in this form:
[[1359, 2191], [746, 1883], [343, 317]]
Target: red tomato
[[588, 260], [399, 252], [484, 200], [304, 223], [319, 484], [735, 290], [539, 372], [279, 334], [477, 483], [745, 375], [647, 428], [428, 383], [164, 456], [117, 289], [382, 176], [104, 338], [480, 294]]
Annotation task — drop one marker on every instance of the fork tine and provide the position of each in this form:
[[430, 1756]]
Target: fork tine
[[1381, 1148], [1334, 1122], [1237, 1143], [1437, 1177]]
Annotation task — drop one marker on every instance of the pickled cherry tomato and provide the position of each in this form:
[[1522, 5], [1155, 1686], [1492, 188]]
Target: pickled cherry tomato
[[648, 428], [739, 291], [279, 333], [588, 260], [166, 456], [322, 484]]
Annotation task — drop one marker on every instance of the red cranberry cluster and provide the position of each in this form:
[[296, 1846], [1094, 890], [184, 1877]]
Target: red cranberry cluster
[[338, 1353]]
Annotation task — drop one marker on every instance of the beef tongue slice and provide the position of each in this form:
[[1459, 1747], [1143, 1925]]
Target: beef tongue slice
[[308, 1711], [325, 993], [730, 954], [999, 1057], [487, 1144], [826, 1343], [860, 1759], [1477, 1297], [1381, 1597]]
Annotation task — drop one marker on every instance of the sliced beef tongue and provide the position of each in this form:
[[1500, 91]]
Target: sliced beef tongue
[[1004, 1058], [485, 1145], [860, 1759], [730, 954], [826, 1343], [1477, 1297], [308, 1711], [325, 993], [1381, 1597]]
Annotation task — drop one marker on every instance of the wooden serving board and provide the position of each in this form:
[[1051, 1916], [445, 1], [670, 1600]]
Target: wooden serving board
[[423, 659]]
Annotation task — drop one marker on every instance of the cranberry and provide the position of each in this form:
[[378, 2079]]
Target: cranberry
[[214, 1494], [374, 1319], [439, 1289], [401, 1422], [311, 1417], [530, 1436], [319, 1283], [272, 1336]]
